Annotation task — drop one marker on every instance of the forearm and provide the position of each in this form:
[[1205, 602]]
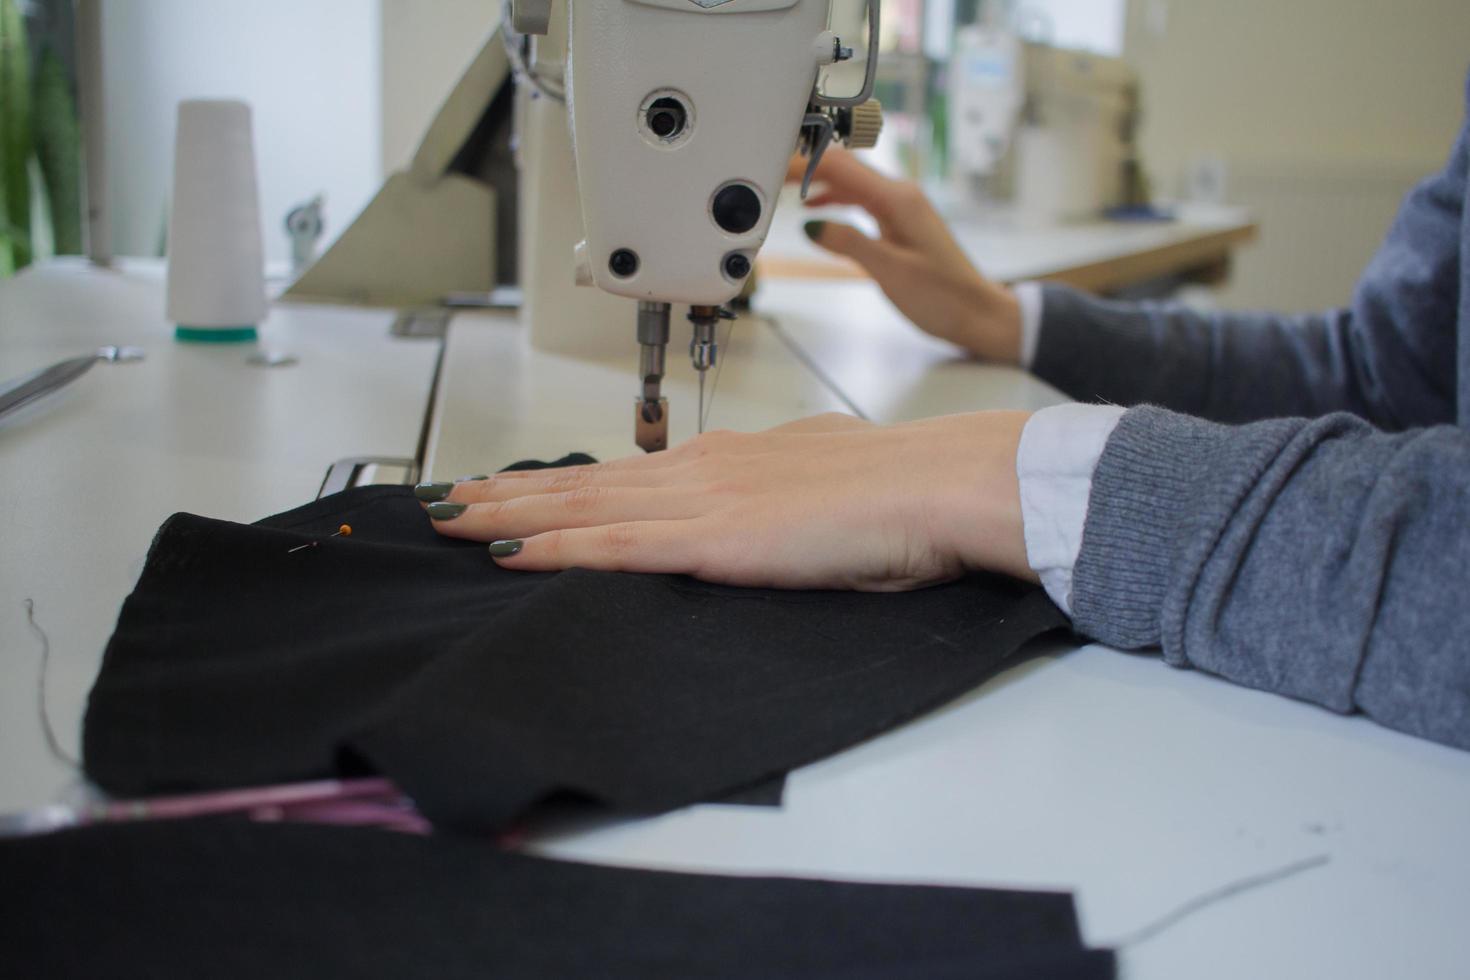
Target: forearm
[[1323, 560], [1225, 367]]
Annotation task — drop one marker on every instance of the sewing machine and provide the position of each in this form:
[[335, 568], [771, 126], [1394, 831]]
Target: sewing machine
[[649, 139], [683, 116]]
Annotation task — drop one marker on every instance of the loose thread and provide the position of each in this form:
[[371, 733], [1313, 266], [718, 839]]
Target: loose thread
[[799, 352], [52, 742], [715, 384], [1219, 895]]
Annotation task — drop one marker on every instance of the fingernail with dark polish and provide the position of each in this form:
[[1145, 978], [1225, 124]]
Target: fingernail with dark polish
[[430, 492], [813, 229], [445, 511], [470, 479], [504, 549]]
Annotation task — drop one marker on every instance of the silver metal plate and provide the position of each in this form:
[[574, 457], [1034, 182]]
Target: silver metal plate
[[742, 7]]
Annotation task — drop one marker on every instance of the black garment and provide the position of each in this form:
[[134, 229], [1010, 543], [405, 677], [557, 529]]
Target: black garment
[[226, 899], [482, 691]]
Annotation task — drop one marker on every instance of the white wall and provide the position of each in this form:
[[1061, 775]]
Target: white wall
[[1092, 25], [309, 69], [1324, 113], [426, 48]]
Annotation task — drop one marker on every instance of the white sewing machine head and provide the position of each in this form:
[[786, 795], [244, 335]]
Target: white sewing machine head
[[684, 114]]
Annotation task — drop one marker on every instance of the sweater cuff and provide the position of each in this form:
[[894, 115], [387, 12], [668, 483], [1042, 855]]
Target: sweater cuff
[[1030, 298], [1059, 450], [1142, 490], [1179, 509], [1165, 487]]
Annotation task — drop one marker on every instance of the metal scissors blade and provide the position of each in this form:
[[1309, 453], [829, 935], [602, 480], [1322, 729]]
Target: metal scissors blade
[[21, 391]]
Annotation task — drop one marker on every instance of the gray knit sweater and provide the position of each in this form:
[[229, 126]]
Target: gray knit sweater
[[1290, 508]]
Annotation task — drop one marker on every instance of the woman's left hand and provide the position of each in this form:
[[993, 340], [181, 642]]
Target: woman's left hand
[[827, 502]]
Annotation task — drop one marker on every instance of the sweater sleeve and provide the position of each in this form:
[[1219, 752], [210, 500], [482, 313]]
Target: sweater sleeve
[[1389, 357], [1321, 559]]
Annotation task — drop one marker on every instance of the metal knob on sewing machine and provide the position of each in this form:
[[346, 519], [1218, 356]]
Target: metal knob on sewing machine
[[683, 116]]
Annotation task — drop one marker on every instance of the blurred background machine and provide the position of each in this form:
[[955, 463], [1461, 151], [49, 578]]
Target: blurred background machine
[[1047, 130]]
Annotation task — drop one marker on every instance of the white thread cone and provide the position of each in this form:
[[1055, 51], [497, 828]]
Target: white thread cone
[[216, 276]]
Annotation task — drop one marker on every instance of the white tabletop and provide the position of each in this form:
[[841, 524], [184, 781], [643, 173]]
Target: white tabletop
[[502, 401], [1135, 785], [1005, 249], [88, 475]]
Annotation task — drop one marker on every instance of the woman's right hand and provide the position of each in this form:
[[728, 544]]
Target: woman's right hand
[[915, 261]]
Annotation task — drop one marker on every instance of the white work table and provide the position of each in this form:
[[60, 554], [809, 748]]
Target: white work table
[[1136, 786], [88, 476], [1098, 255]]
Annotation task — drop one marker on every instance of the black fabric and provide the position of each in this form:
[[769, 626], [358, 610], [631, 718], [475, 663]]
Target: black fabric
[[482, 691], [223, 899]]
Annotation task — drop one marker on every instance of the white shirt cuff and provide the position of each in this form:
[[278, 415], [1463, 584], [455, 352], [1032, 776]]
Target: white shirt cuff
[[1029, 295], [1059, 451]]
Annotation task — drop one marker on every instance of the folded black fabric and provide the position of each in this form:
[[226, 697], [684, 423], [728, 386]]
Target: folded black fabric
[[482, 691], [226, 899]]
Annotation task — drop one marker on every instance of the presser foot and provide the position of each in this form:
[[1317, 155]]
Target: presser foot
[[651, 424]]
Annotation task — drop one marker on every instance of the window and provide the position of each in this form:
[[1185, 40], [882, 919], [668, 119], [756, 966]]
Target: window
[[1093, 25]]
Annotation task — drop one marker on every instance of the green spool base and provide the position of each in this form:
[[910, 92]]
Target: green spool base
[[214, 335]]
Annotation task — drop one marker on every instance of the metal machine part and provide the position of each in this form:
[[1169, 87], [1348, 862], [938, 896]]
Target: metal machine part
[[269, 358], [870, 70], [529, 16], [855, 120], [651, 424], [361, 471], [863, 125], [304, 226], [704, 348]]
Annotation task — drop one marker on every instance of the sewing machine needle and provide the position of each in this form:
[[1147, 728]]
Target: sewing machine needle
[[701, 401]]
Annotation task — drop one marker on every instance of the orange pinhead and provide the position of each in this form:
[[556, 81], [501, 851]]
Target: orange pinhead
[[344, 531]]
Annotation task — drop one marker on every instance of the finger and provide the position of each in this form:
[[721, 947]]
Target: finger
[[844, 173], [588, 507], [670, 547], [639, 461], [873, 254], [823, 193], [795, 168], [839, 163], [823, 197], [871, 198], [509, 486]]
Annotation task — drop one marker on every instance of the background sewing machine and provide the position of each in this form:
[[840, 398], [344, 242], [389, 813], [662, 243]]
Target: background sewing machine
[[1045, 130], [635, 147]]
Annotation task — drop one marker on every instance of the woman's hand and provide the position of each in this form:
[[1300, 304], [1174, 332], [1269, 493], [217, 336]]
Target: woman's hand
[[828, 502], [915, 261]]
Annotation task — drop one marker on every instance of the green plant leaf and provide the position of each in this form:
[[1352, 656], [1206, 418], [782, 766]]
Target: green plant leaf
[[59, 152], [15, 126]]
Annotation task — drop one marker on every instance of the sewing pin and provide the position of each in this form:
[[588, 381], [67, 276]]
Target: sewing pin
[[345, 531]]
